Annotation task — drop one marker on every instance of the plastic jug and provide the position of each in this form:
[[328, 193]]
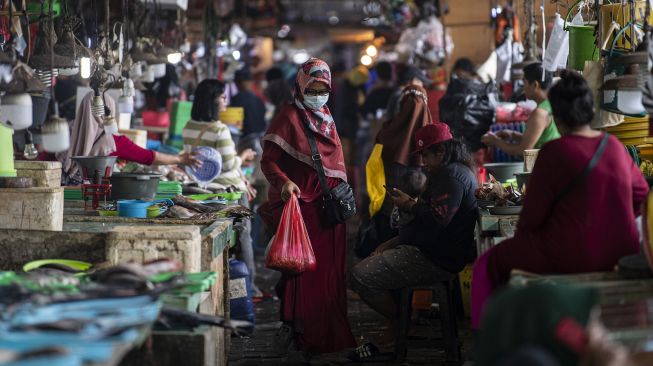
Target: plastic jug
[[6, 152]]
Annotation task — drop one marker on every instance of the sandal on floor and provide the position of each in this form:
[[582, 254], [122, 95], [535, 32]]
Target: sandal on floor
[[368, 352]]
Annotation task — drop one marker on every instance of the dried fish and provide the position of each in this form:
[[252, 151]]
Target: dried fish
[[195, 205], [237, 211], [178, 212]]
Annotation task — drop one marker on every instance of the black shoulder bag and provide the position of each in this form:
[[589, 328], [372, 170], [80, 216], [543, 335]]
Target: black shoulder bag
[[583, 175], [339, 202]]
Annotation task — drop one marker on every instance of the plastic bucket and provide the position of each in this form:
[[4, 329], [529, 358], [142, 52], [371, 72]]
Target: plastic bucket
[[582, 46], [6, 152], [134, 186]]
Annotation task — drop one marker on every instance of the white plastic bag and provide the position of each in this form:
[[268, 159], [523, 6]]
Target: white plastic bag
[[557, 50]]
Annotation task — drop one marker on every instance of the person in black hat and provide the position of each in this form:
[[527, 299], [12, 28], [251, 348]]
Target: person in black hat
[[410, 75], [254, 107]]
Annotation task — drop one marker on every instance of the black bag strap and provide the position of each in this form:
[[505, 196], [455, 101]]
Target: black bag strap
[[586, 172], [316, 157]]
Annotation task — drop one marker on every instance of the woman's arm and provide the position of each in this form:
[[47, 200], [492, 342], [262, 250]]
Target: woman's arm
[[183, 159], [537, 122], [272, 154], [127, 150]]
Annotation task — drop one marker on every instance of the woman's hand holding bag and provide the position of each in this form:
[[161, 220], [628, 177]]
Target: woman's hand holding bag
[[291, 249]]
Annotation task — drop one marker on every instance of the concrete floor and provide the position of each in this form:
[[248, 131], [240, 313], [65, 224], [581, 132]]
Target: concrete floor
[[365, 323]]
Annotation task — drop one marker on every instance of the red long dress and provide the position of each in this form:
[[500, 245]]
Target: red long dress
[[315, 303], [589, 229]]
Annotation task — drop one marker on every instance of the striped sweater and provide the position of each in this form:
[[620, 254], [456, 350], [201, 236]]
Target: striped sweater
[[219, 138]]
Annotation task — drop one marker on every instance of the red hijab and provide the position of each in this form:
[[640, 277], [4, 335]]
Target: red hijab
[[287, 130]]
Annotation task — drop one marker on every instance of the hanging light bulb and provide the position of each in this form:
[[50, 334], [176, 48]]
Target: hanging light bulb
[[175, 58], [126, 99], [30, 151], [85, 67], [110, 125], [97, 106], [148, 74], [55, 134], [16, 111], [371, 50], [159, 70]]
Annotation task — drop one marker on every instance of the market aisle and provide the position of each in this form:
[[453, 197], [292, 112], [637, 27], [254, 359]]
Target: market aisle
[[257, 350]]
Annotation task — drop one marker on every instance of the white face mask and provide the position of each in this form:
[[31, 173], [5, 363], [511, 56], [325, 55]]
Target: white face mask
[[315, 102]]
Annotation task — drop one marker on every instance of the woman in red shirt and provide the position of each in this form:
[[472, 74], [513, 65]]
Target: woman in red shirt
[[569, 228]]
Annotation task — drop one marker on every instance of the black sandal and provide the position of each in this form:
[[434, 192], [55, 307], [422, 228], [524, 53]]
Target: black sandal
[[368, 352]]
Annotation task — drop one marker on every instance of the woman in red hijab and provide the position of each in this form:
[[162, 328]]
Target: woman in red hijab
[[313, 304]]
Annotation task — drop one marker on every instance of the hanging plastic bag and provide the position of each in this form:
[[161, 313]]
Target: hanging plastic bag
[[291, 249], [375, 176], [557, 50]]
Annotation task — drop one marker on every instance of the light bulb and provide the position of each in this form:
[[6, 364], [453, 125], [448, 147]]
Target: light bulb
[[128, 88], [97, 107], [372, 51], [85, 67], [148, 74], [126, 104], [30, 151], [16, 111], [159, 70], [55, 135], [366, 60], [175, 58], [110, 125]]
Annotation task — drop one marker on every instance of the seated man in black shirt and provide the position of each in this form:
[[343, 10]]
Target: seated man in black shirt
[[440, 238]]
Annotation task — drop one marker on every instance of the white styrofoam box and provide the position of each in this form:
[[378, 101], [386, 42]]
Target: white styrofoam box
[[31, 208], [142, 243], [43, 173]]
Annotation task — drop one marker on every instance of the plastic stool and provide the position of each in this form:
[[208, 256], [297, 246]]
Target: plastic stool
[[443, 295]]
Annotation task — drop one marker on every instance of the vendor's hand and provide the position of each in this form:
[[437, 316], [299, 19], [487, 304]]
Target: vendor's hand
[[248, 155], [190, 160], [505, 135], [288, 189], [402, 200], [490, 139]]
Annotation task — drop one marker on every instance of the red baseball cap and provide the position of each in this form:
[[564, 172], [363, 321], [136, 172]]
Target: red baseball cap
[[432, 134]]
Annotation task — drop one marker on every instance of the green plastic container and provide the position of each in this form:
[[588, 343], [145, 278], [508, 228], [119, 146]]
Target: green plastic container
[[188, 302], [582, 42], [179, 116], [582, 46], [6, 152]]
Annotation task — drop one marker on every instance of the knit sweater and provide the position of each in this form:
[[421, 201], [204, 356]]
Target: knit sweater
[[219, 138]]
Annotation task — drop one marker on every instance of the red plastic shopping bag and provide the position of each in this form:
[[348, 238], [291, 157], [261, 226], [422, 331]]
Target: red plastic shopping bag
[[291, 249]]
